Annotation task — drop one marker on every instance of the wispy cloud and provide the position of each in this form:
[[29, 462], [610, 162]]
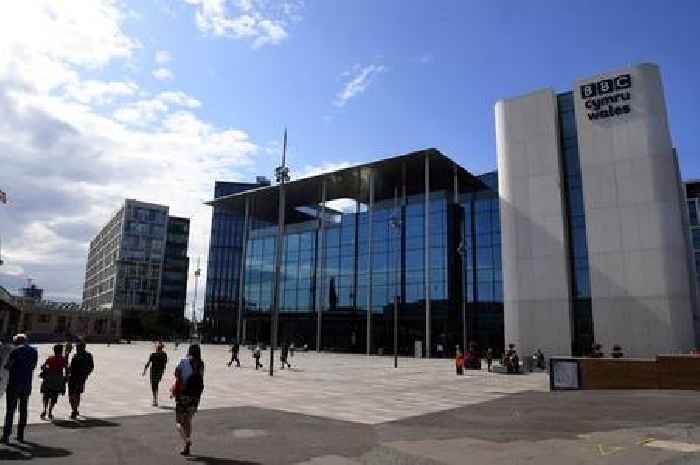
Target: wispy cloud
[[425, 58], [261, 22], [163, 74], [163, 56], [359, 79]]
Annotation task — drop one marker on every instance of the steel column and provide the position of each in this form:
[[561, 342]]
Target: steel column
[[320, 279], [426, 243], [241, 278], [369, 261]]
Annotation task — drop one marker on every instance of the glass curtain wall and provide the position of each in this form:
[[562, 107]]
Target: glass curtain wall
[[582, 313], [483, 286]]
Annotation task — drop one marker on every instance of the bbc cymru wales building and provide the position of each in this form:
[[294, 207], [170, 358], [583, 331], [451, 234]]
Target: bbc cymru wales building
[[582, 236]]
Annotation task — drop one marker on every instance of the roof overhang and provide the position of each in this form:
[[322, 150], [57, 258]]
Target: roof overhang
[[390, 176]]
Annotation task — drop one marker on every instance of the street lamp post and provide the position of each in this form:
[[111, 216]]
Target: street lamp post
[[282, 176], [461, 250], [197, 272]]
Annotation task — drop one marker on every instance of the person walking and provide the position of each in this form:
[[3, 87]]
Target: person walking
[[80, 368], [21, 364], [459, 362], [489, 358], [157, 361], [284, 355], [235, 349], [68, 347], [189, 384], [256, 356], [53, 372]]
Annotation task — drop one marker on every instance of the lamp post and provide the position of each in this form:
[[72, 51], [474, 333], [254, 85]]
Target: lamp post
[[461, 250], [282, 176], [197, 272], [396, 226]]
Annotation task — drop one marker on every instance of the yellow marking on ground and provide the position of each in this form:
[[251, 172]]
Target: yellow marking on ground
[[676, 446]]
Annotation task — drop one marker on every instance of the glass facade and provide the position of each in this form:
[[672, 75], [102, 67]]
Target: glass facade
[[483, 283], [173, 283], [582, 316], [693, 201], [224, 263], [330, 268]]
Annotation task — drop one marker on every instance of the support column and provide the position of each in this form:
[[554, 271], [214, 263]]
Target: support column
[[241, 277], [369, 261], [426, 243], [461, 251], [320, 279]]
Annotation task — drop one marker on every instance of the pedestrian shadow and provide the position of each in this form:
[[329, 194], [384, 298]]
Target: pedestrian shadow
[[219, 461], [31, 450], [166, 407], [85, 423]]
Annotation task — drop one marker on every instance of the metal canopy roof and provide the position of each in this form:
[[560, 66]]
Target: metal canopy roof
[[353, 182]]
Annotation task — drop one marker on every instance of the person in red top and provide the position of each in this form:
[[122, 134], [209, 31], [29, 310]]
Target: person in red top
[[53, 372]]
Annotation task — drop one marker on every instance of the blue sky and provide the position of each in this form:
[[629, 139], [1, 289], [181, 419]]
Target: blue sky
[[444, 68], [155, 100]]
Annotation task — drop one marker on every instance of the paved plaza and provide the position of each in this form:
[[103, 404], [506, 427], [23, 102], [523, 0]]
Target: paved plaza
[[344, 387], [333, 409]]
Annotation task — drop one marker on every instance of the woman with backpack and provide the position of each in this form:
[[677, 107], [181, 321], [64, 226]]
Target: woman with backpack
[[189, 384], [53, 373]]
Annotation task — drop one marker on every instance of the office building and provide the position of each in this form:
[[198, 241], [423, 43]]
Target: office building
[[137, 268], [580, 237]]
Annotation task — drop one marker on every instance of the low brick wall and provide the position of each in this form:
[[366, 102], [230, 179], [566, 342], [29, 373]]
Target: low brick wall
[[664, 372], [678, 372]]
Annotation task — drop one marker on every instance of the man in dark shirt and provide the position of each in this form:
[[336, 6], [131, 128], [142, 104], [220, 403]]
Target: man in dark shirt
[[235, 349], [20, 365], [80, 368], [157, 361]]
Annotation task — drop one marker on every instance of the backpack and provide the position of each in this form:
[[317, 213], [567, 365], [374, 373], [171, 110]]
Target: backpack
[[194, 386]]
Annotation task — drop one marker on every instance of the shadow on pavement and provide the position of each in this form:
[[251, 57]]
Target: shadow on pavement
[[31, 450], [86, 423], [166, 407], [219, 461]]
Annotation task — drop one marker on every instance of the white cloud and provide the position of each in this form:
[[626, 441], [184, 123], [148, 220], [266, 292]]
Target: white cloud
[[162, 57], [42, 41], [148, 111], [263, 22], [359, 80], [326, 167], [179, 98], [163, 74], [99, 92], [67, 164]]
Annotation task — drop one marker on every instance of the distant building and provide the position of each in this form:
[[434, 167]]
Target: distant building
[[46, 321], [137, 268], [9, 313]]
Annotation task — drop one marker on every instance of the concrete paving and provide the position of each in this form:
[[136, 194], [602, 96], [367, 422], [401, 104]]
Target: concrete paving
[[482, 419], [339, 386]]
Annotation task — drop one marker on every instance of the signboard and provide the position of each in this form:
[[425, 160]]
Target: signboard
[[418, 349], [564, 374], [608, 97]]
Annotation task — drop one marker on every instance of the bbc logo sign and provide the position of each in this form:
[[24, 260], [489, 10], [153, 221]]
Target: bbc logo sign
[[606, 86]]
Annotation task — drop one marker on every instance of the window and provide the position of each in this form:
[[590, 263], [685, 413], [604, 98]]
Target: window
[[696, 238], [693, 212]]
